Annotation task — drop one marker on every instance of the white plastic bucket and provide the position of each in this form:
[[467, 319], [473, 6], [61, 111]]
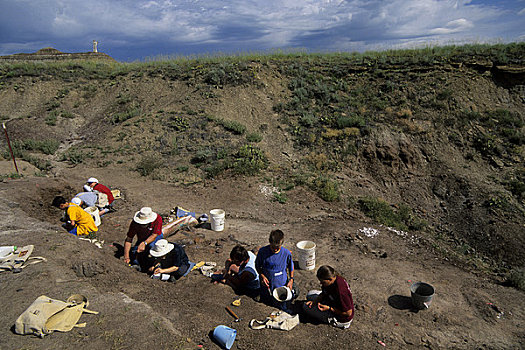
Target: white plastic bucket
[[217, 219], [93, 211], [306, 252], [282, 294]]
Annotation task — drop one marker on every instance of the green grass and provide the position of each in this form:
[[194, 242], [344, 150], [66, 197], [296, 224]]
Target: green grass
[[400, 216], [49, 146]]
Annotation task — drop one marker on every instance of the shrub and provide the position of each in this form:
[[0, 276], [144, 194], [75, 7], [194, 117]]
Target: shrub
[[51, 118], [234, 127], [356, 121], [123, 116], [66, 114], [379, 210], [280, 197], [254, 137], [39, 163], [73, 155], [49, 146], [250, 160], [516, 278], [147, 165], [326, 189], [177, 123]]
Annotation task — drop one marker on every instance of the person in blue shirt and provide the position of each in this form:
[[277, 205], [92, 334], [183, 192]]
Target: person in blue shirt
[[275, 266]]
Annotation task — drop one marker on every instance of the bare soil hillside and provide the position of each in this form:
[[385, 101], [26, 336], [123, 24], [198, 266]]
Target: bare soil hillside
[[429, 154]]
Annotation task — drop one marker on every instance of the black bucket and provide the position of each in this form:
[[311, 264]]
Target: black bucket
[[422, 294]]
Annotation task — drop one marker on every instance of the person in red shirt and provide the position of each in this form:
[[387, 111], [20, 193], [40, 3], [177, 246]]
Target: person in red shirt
[[94, 185], [334, 303], [147, 226]]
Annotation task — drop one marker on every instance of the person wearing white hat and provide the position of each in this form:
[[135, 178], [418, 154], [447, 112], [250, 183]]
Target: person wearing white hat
[[147, 226], [168, 261], [105, 196]]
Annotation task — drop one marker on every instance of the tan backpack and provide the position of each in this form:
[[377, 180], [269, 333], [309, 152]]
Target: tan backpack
[[47, 315]]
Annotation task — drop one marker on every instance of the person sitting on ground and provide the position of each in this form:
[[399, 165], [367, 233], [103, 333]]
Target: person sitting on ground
[[334, 303], [78, 222], [240, 272], [87, 199], [168, 261], [275, 266], [147, 226], [105, 197]]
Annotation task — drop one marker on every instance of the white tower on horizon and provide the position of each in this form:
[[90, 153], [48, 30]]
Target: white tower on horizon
[[95, 43]]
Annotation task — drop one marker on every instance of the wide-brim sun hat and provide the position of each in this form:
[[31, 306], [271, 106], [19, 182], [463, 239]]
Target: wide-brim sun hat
[[161, 248], [145, 216], [92, 179]]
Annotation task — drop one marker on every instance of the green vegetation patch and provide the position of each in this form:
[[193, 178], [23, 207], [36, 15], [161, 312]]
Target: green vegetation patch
[[516, 278], [49, 146], [147, 165], [250, 160], [401, 216]]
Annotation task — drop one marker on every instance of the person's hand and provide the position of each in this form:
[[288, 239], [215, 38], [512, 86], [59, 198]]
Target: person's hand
[[158, 270], [309, 303], [265, 281], [141, 247], [323, 307], [290, 284], [126, 260]]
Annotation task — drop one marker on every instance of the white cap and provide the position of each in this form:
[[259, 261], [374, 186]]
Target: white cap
[[92, 179], [76, 201]]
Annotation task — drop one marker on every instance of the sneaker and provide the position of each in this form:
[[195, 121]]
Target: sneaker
[[136, 267]]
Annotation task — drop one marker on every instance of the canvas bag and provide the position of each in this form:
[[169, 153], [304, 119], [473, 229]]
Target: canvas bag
[[47, 315], [102, 200], [277, 320], [19, 258]]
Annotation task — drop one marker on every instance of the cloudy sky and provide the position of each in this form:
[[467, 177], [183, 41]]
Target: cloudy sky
[[137, 29]]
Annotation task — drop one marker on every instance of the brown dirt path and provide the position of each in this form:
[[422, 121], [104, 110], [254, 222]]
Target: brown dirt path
[[136, 312]]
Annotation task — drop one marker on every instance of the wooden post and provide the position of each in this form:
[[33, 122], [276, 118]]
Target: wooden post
[[10, 149]]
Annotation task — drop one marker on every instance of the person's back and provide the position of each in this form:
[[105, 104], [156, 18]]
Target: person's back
[[250, 267], [88, 198], [103, 189], [84, 221]]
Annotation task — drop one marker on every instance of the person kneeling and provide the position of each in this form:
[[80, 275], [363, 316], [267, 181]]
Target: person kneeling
[[168, 261], [240, 272], [334, 304]]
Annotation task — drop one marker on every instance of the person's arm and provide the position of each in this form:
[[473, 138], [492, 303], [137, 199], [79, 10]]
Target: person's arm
[[258, 266], [142, 245], [318, 299], [290, 269], [237, 281], [127, 248], [166, 270], [339, 312]]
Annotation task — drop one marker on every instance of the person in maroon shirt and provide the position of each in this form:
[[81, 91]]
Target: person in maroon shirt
[[147, 226], [94, 185], [334, 303]]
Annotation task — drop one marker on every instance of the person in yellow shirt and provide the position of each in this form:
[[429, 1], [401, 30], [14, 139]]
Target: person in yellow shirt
[[78, 222]]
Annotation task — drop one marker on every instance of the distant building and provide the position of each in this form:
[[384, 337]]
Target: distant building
[[51, 54]]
